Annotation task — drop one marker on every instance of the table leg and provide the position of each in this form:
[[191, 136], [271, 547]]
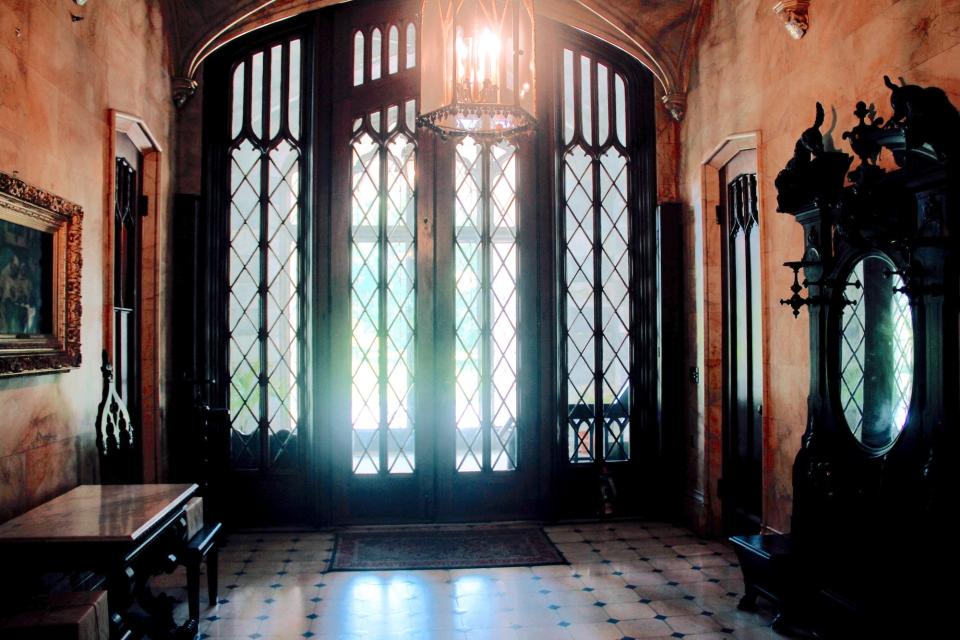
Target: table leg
[[193, 587], [213, 574]]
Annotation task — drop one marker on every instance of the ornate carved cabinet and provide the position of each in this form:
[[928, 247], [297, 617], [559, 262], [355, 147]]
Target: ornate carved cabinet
[[877, 467]]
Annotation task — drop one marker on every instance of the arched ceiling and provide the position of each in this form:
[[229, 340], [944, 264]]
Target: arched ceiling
[[659, 33]]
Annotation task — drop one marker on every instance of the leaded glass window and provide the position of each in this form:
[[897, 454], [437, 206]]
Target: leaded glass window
[[486, 306], [853, 337], [264, 353], [383, 289], [597, 293]]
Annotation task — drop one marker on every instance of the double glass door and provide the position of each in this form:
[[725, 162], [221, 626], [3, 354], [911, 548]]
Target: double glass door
[[402, 327], [377, 327]]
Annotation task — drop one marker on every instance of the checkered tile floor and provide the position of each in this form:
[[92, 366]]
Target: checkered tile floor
[[626, 580]]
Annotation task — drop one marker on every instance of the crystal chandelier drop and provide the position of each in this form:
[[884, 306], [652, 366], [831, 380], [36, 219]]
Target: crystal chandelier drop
[[477, 73]]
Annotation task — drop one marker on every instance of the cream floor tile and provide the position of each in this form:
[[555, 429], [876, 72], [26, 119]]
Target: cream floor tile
[[626, 580]]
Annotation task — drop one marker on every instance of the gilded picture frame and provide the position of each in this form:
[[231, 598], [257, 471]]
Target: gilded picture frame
[[40, 264]]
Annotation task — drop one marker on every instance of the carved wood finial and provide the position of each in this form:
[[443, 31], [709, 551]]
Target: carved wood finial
[[794, 14]]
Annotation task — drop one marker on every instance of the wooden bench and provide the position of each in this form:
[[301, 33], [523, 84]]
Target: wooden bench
[[768, 566]]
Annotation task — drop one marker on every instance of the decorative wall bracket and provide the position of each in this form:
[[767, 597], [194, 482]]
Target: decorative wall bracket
[[796, 301], [794, 14], [676, 104], [183, 90]]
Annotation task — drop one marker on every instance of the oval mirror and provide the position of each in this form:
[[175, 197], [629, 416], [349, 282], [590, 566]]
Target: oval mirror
[[876, 353]]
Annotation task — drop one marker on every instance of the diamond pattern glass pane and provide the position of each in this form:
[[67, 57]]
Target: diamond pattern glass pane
[[469, 305], [401, 276], [596, 297], [365, 304], [263, 311], [579, 304], [902, 354], [383, 288], [852, 352], [502, 296], [615, 305], [244, 306], [283, 303], [485, 262]]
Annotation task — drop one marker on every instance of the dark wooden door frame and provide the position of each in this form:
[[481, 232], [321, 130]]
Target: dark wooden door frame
[[319, 493], [576, 492], [381, 497], [249, 496]]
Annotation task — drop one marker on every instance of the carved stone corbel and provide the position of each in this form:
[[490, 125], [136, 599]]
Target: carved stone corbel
[[676, 104], [794, 14], [183, 90]]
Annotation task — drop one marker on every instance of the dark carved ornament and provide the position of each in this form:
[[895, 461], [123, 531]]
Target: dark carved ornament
[[58, 348], [812, 173]]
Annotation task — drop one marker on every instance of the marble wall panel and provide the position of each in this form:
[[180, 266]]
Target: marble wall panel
[[58, 78]]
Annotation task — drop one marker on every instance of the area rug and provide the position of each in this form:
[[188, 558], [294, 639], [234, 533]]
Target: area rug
[[467, 548]]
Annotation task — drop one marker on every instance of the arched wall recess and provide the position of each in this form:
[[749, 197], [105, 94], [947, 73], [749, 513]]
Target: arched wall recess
[[600, 18]]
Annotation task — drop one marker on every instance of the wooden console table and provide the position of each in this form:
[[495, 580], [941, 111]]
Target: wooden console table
[[126, 533]]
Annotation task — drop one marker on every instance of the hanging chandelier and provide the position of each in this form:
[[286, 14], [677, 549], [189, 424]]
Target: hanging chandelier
[[477, 70]]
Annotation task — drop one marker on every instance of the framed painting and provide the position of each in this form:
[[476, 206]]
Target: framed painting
[[40, 263]]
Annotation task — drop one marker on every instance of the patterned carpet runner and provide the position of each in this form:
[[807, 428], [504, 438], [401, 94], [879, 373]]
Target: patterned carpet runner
[[473, 547]]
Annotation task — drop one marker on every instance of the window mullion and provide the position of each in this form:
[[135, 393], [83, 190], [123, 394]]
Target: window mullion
[[382, 297], [598, 412], [486, 288], [264, 426]]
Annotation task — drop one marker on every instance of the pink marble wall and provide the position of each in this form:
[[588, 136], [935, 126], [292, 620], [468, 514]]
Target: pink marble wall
[[58, 78], [749, 75]]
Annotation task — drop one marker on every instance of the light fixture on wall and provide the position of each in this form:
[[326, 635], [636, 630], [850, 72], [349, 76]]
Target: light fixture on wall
[[477, 67], [794, 14]]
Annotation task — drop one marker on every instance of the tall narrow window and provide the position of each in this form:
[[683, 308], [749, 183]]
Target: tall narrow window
[[383, 285], [264, 259], [597, 292], [486, 306]]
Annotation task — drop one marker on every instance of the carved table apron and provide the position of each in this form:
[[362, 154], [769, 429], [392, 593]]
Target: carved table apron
[[124, 532]]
